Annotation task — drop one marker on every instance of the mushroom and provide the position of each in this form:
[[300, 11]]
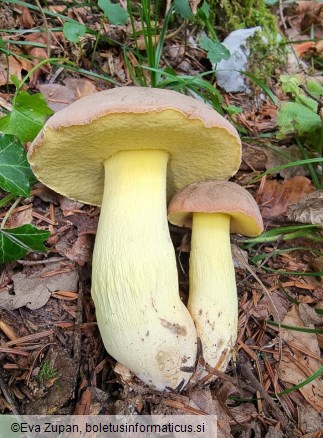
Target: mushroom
[[118, 148], [213, 209]]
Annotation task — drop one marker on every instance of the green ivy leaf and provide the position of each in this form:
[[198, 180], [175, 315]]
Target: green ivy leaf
[[15, 243], [114, 12], [182, 7], [15, 174], [73, 31], [215, 51], [27, 116]]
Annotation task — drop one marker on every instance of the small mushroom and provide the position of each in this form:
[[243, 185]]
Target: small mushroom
[[118, 149], [214, 209]]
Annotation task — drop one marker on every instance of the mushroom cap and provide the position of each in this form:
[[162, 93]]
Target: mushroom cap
[[69, 152], [217, 197]]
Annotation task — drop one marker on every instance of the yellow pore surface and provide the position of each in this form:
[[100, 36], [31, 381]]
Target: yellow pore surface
[[71, 160]]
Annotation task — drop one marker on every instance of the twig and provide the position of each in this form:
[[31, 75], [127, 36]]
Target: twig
[[49, 35], [41, 262], [281, 14], [279, 414], [317, 99], [14, 205], [78, 321], [9, 399]]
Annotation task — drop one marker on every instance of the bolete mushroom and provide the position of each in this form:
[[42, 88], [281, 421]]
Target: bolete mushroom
[[213, 209], [117, 149]]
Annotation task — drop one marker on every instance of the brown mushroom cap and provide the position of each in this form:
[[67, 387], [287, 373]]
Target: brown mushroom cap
[[69, 152], [217, 197]]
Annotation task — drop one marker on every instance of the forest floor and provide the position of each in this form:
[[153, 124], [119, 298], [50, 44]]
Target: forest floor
[[51, 354]]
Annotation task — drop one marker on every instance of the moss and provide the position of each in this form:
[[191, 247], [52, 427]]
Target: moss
[[47, 372], [233, 15], [269, 53]]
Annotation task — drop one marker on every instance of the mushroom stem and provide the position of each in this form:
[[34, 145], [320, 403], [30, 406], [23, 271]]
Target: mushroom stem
[[213, 302], [142, 321]]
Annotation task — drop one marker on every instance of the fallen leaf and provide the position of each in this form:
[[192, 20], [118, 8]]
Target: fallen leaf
[[319, 47], [244, 413], [85, 224], [296, 365], [303, 48], [283, 155], [274, 196], [274, 433], [309, 316], [21, 217], [25, 20], [38, 54], [123, 373], [310, 421], [33, 291], [311, 7], [68, 205], [265, 308], [308, 210], [13, 66], [60, 96], [317, 264], [201, 398], [81, 251]]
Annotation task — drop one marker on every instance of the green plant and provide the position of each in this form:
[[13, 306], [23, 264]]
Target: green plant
[[22, 124], [301, 115], [47, 372], [154, 37]]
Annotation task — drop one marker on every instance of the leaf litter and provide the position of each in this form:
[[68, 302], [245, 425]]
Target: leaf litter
[[61, 322], [33, 290]]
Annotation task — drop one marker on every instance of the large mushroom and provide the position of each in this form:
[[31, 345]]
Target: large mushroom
[[118, 149], [214, 209]]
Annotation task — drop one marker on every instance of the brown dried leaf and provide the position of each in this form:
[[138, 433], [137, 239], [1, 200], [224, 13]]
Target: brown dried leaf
[[309, 316], [202, 399], [309, 420], [81, 251], [309, 7], [124, 374], [274, 197], [81, 87], [33, 290], [68, 205], [85, 224], [265, 309], [57, 96], [16, 65], [25, 20], [297, 366], [60, 96], [22, 217], [244, 413], [319, 48], [284, 155], [309, 209]]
